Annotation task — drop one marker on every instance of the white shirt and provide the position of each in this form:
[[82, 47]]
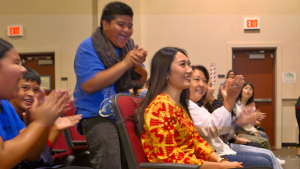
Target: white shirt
[[237, 109], [211, 126]]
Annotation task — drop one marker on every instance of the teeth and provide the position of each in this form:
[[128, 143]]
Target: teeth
[[199, 91], [30, 101]]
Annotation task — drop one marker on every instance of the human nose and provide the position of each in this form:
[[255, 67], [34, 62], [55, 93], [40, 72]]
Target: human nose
[[201, 83], [189, 70], [126, 29], [30, 92], [23, 69]]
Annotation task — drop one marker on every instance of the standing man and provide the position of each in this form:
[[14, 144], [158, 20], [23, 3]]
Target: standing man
[[105, 64]]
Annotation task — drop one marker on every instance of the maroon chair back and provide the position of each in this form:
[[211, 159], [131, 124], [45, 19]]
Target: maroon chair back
[[76, 152], [124, 106], [60, 143], [75, 136]]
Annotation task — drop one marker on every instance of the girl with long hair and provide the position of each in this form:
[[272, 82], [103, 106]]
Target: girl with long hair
[[249, 132], [163, 119]]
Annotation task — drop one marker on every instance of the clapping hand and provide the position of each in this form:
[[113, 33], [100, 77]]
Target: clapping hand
[[46, 111]]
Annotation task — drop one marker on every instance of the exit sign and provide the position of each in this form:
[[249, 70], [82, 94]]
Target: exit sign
[[15, 30], [251, 23]]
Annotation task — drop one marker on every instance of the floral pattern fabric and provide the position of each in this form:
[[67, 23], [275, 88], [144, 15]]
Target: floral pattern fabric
[[169, 135]]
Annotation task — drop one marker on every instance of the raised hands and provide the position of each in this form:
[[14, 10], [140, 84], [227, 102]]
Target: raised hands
[[259, 115], [62, 123], [136, 57], [250, 116], [231, 90], [232, 87], [47, 111], [246, 117]]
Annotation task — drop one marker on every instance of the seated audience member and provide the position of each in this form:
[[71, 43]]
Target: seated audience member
[[230, 74], [30, 89], [163, 120], [18, 143], [210, 126], [246, 98]]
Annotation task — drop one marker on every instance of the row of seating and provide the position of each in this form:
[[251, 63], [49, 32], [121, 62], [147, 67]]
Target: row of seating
[[123, 106]]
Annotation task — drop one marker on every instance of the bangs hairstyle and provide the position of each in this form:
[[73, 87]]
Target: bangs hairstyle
[[4, 47], [115, 8], [206, 74], [251, 99], [160, 69], [32, 75]]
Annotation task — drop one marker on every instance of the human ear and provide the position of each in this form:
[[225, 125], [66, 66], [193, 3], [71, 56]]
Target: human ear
[[104, 24]]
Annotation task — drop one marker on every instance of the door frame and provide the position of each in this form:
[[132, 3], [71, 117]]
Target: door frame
[[57, 60], [278, 96]]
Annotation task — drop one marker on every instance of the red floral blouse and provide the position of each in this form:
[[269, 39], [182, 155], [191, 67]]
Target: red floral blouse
[[170, 136]]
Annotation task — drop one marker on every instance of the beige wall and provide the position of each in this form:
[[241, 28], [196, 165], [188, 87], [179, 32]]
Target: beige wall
[[203, 28], [49, 26], [289, 122]]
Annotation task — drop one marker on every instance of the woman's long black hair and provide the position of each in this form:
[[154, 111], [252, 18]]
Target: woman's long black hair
[[251, 99], [4, 47], [160, 69]]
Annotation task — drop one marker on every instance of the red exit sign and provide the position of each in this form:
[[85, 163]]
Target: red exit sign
[[15, 30], [251, 23]]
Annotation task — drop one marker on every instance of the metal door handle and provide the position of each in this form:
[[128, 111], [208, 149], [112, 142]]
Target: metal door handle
[[269, 100]]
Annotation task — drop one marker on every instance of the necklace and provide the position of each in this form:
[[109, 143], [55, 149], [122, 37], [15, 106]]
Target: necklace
[[178, 105]]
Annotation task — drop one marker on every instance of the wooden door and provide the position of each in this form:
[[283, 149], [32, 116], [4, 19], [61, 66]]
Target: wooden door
[[41, 62], [261, 73]]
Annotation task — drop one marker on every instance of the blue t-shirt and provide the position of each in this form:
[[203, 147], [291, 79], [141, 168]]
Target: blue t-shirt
[[10, 123], [86, 65]]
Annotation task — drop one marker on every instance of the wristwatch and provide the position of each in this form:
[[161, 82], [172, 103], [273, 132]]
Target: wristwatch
[[222, 159]]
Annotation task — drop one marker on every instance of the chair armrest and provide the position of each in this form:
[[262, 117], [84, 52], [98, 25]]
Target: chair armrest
[[169, 165], [79, 143], [53, 151]]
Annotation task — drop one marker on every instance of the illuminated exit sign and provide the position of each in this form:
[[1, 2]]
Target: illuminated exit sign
[[15, 30], [251, 23]]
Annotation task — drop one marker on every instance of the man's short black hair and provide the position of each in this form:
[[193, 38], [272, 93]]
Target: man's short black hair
[[32, 75], [115, 8]]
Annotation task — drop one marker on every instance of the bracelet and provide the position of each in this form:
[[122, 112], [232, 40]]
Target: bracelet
[[222, 159]]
